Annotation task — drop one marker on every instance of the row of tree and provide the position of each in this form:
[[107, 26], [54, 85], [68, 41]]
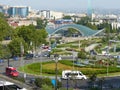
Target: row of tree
[[30, 36], [86, 22]]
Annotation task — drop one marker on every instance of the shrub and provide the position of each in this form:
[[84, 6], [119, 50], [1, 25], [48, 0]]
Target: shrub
[[43, 81], [46, 87], [59, 84], [82, 55], [21, 79], [38, 82]]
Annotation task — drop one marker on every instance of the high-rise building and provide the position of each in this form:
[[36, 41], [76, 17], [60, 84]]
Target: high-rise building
[[89, 9], [19, 11], [45, 14], [3, 9]]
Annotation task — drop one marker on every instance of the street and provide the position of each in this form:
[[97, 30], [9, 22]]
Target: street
[[108, 83]]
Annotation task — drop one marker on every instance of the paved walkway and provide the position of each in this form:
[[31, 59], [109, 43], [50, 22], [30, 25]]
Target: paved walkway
[[92, 46]]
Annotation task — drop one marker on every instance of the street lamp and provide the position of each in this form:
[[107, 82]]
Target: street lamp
[[56, 71], [49, 38], [107, 60], [73, 58], [22, 61], [67, 80], [41, 60]]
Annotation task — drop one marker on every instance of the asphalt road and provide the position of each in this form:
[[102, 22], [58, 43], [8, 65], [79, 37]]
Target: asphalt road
[[108, 83]]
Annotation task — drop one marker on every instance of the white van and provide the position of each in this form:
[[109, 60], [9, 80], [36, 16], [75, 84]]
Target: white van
[[5, 85], [69, 74]]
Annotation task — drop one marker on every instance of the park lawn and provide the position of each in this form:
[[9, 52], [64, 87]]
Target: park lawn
[[49, 68]]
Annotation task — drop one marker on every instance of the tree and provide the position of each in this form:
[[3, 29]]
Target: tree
[[2, 15], [82, 55], [39, 37], [26, 32], [4, 51], [84, 20], [93, 79], [67, 17], [26, 35], [47, 87], [42, 81], [41, 24], [5, 29], [15, 46], [71, 31]]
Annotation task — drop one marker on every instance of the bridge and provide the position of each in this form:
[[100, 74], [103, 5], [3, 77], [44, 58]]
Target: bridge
[[85, 31]]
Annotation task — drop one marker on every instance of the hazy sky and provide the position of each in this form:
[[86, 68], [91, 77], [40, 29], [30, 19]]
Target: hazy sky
[[63, 4]]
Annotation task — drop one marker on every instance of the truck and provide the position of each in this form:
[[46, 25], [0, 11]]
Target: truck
[[72, 74], [11, 71]]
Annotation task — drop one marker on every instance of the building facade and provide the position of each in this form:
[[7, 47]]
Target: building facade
[[19, 11]]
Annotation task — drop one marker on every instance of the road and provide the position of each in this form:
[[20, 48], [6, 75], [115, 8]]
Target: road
[[108, 83]]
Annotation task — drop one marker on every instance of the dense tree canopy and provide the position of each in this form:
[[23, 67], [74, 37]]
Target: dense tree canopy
[[67, 17], [15, 46], [41, 24], [2, 15], [27, 35], [86, 22], [5, 29]]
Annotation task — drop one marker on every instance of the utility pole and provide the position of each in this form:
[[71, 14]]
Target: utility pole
[[73, 58], [22, 61], [56, 71], [108, 49], [41, 60]]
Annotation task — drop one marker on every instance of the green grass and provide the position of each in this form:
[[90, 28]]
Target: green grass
[[48, 68]]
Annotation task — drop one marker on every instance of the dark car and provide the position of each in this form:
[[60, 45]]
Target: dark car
[[29, 56]]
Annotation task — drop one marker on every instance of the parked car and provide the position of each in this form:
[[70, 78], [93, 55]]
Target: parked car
[[29, 56], [1, 60]]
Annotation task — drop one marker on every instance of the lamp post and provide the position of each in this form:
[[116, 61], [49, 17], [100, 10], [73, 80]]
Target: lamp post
[[73, 58], [22, 61], [107, 60], [41, 60], [67, 81], [49, 38], [56, 71]]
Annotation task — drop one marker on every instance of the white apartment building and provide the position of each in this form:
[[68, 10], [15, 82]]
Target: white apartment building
[[27, 22], [56, 15], [45, 14], [115, 25]]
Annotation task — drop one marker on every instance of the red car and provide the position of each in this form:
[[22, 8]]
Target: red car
[[45, 47], [11, 71]]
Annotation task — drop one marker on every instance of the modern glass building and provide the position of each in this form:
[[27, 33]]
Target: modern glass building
[[20, 11], [1, 8]]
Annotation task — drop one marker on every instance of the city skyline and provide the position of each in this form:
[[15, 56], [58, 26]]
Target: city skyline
[[64, 4]]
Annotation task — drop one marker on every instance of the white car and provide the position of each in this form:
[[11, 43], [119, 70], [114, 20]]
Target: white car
[[6, 85], [70, 74]]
